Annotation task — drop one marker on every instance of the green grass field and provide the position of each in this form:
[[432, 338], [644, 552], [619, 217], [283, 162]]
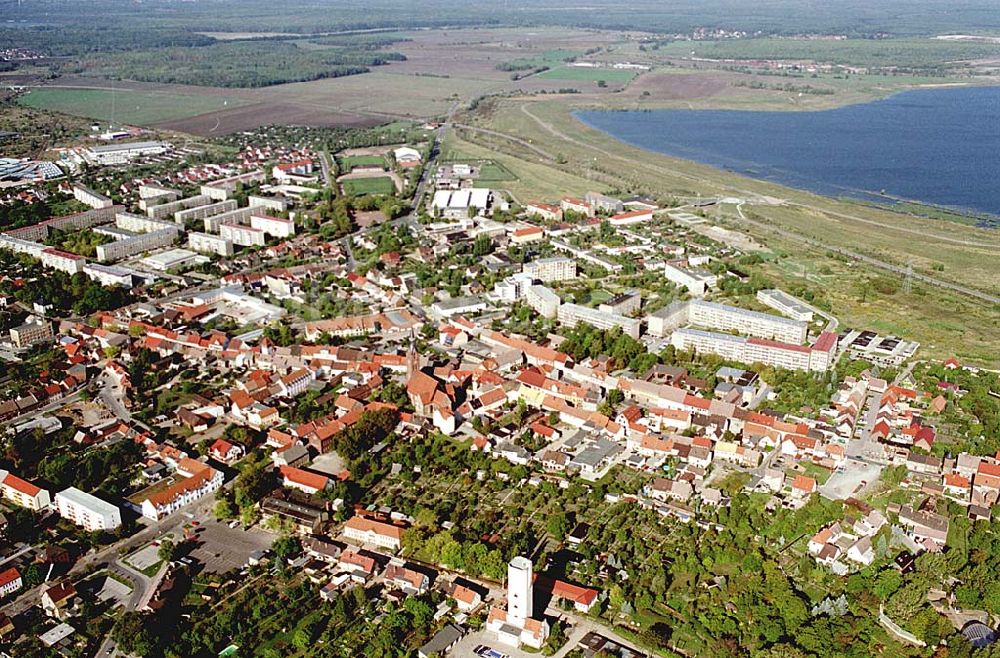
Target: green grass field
[[350, 162], [136, 107], [492, 172], [362, 186], [579, 74]]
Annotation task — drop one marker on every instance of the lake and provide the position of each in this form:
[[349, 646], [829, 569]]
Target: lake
[[937, 146]]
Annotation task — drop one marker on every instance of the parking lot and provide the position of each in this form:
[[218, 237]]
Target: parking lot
[[144, 558], [857, 476], [221, 548]]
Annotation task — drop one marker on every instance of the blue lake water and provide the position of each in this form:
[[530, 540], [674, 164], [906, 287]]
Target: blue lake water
[[938, 146]]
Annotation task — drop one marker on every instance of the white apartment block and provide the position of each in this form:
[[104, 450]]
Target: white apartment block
[[89, 197], [785, 304], [696, 281], [558, 268], [168, 209], [19, 246], [156, 191], [238, 216], [543, 300], [87, 511], [276, 203], [210, 244], [274, 226], [572, 314], [818, 357], [711, 315], [139, 224], [62, 260], [136, 245], [244, 236], [201, 212]]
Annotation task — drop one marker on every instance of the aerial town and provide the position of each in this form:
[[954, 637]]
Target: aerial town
[[467, 418]]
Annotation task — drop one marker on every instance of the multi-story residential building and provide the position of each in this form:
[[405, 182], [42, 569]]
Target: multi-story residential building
[[22, 246], [201, 212], [31, 332], [211, 244], [697, 281], [624, 304], [571, 314], [140, 224], [274, 226], [558, 268], [62, 260], [785, 304], [23, 493], [87, 196], [244, 236], [10, 582], [87, 511], [221, 190], [202, 482], [367, 531], [115, 251], [711, 315], [238, 216], [168, 209], [275, 203], [818, 357], [543, 300]]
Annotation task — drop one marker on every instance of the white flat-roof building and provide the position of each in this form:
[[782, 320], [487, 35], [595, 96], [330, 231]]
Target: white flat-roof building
[[557, 268], [87, 196], [711, 315], [116, 154], [817, 357], [210, 244], [275, 203], [543, 300], [110, 275], [62, 261], [136, 245], [139, 224], [785, 304], [201, 212], [172, 259], [244, 236], [697, 281], [238, 216], [274, 226], [168, 209], [87, 511], [572, 314], [455, 204]]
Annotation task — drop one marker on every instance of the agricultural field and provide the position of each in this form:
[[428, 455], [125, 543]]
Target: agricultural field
[[363, 186], [587, 74], [127, 106]]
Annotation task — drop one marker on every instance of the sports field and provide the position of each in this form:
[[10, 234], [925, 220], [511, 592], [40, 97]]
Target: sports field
[[126, 106], [350, 162], [585, 74], [361, 186]]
